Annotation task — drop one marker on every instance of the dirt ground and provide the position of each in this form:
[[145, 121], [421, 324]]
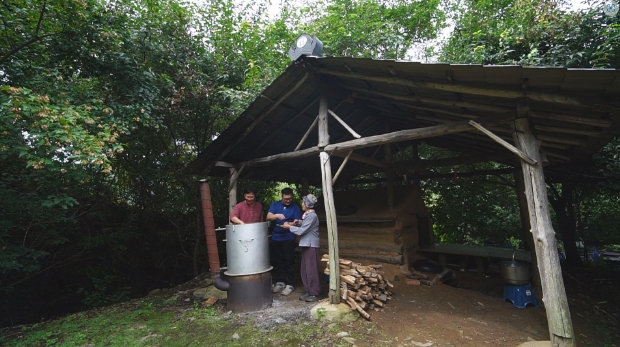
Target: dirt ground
[[469, 311]]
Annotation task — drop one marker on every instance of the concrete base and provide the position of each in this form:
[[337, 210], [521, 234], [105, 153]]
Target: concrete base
[[338, 313], [536, 344]]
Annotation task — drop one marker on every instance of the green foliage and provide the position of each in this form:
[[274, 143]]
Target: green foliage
[[103, 292], [469, 211], [532, 32], [373, 29], [545, 33]]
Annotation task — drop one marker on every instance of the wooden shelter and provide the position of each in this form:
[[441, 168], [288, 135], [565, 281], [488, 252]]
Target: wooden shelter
[[364, 111]]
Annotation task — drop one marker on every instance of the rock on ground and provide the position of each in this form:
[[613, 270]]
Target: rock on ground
[[326, 311]]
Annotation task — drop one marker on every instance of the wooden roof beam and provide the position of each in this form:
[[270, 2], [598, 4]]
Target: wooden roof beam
[[365, 160], [503, 143], [345, 125], [371, 141], [493, 172], [444, 162], [427, 100], [291, 120], [263, 115], [597, 122], [547, 138], [494, 91]]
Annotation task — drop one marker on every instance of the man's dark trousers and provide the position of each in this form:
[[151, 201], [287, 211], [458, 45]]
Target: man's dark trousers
[[283, 255]]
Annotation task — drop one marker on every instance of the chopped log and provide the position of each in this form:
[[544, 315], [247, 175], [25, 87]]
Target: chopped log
[[351, 272], [350, 280], [377, 302], [355, 306], [347, 263], [212, 300], [411, 282], [419, 274], [362, 285], [426, 283]]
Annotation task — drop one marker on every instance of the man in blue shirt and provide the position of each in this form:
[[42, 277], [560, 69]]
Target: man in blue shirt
[[283, 241]]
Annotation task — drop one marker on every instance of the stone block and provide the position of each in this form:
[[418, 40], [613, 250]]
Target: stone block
[[326, 311]]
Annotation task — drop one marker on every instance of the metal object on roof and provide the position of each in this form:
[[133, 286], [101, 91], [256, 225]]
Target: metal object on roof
[[306, 45], [574, 113]]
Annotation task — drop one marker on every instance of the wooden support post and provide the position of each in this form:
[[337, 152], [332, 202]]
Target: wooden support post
[[525, 227], [234, 176], [328, 201], [481, 266], [344, 162], [554, 295], [463, 263], [443, 260], [232, 191], [345, 125], [387, 150], [505, 144], [303, 139]]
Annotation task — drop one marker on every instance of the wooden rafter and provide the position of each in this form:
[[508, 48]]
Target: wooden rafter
[[459, 88], [503, 143], [263, 115], [371, 141]]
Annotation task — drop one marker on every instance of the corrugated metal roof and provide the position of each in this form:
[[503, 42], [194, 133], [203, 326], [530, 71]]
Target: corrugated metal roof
[[574, 112]]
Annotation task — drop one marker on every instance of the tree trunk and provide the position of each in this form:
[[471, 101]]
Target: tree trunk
[[554, 295], [526, 228]]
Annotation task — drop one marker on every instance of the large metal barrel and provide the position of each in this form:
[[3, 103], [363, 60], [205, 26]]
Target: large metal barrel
[[515, 273], [247, 249], [250, 292]]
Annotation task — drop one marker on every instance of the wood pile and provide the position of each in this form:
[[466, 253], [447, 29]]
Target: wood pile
[[417, 278], [362, 287]]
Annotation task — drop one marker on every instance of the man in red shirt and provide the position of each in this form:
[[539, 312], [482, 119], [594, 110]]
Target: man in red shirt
[[248, 211]]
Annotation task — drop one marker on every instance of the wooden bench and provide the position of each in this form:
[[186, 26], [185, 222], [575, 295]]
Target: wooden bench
[[481, 254]]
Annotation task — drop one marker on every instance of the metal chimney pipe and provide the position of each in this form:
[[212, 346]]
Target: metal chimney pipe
[[209, 223]]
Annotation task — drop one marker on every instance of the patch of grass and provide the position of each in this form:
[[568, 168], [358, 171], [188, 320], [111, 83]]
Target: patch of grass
[[143, 323]]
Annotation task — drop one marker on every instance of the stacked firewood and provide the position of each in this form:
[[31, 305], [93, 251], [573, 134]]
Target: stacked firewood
[[362, 287], [417, 278]]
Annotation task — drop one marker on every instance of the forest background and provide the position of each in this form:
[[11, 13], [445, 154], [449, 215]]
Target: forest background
[[104, 103]]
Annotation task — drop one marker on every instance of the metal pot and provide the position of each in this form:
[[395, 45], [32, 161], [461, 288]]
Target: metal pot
[[247, 249], [514, 272]]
